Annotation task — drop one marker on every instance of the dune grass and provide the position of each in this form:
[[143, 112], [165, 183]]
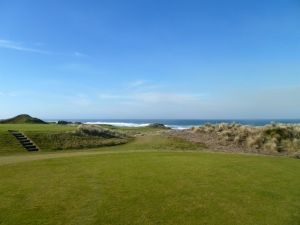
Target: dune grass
[[268, 139]]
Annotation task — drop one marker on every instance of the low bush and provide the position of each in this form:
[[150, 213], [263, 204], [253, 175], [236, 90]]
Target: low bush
[[85, 130], [62, 122]]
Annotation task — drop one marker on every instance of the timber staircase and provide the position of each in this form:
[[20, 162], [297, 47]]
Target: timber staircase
[[24, 141]]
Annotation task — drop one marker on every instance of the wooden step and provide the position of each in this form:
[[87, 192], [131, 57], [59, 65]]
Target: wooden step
[[24, 141], [31, 149], [22, 138], [28, 145]]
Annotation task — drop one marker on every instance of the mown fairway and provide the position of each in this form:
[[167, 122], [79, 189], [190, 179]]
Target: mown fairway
[[151, 188]]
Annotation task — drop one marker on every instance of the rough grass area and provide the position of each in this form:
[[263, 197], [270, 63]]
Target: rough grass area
[[97, 131], [157, 142], [9, 144], [82, 137], [63, 141], [151, 188], [270, 139], [51, 137], [135, 130]]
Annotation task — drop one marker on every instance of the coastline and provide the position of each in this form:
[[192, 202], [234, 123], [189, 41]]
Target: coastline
[[177, 124]]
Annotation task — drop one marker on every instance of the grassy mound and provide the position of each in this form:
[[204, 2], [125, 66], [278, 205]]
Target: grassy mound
[[22, 119], [9, 144], [274, 138], [71, 136], [84, 130], [83, 137]]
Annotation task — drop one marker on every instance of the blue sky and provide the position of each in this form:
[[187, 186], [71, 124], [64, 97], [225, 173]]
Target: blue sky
[[150, 58]]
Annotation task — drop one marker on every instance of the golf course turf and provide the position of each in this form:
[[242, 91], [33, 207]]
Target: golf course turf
[[151, 180]]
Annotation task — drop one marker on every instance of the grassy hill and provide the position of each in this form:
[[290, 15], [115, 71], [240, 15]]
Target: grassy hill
[[22, 119], [51, 137], [9, 144]]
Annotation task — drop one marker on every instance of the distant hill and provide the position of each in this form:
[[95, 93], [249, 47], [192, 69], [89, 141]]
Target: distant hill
[[23, 118]]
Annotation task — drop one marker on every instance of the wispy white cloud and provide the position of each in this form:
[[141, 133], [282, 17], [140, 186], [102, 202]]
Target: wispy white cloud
[[19, 47], [8, 44], [153, 104], [136, 83], [166, 98], [80, 100], [145, 92], [112, 96], [142, 85], [155, 97]]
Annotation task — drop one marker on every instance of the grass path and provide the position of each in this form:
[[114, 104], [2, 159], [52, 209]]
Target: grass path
[[4, 160], [10, 159], [150, 143]]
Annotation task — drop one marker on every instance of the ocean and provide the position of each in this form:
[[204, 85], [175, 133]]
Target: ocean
[[181, 123]]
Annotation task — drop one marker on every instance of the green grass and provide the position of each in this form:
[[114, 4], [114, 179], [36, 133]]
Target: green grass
[[46, 128], [151, 188], [22, 119], [9, 144], [151, 180], [65, 141], [51, 137], [156, 142], [133, 130]]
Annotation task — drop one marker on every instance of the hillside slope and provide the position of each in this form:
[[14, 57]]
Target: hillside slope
[[23, 118]]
